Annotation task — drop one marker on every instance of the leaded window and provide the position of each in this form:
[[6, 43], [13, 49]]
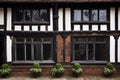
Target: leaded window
[[31, 15], [33, 49], [89, 15], [90, 49]]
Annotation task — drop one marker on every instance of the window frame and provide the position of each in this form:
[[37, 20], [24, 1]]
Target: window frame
[[32, 43], [90, 20], [106, 42], [14, 10]]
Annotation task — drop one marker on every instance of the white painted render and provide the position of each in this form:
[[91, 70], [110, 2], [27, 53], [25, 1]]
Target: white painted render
[[50, 27], [18, 28], [76, 27], [119, 49], [60, 19], [9, 18], [103, 27], [1, 16], [85, 27], [42, 28], [9, 49], [94, 27], [34, 28], [27, 28], [112, 18], [67, 19], [119, 18], [112, 49]]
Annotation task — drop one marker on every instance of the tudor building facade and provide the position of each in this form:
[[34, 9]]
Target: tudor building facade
[[60, 31]]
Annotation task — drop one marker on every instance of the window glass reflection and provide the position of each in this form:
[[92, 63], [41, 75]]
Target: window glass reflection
[[77, 15]]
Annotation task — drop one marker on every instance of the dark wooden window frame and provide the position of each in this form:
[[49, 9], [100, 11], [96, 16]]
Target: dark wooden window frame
[[90, 10], [30, 22], [86, 43], [32, 43], [90, 23]]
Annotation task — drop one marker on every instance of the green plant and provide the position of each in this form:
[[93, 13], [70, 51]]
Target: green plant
[[57, 70], [5, 70], [36, 69], [76, 69], [109, 69]]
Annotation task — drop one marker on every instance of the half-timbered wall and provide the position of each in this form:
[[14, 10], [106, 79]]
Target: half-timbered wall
[[61, 27], [76, 27]]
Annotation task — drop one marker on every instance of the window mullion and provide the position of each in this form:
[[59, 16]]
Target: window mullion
[[94, 51], [15, 50], [81, 14], [87, 52], [51, 49], [25, 49], [23, 15], [32, 49], [41, 50]]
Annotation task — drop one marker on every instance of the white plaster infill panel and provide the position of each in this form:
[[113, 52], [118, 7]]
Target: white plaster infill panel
[[85, 27], [60, 19], [50, 27], [26, 28], [9, 49], [67, 19], [34, 28], [9, 18], [103, 27], [112, 49], [119, 50], [76, 27], [112, 18], [42, 28], [17, 27], [119, 18], [94, 27], [1, 16]]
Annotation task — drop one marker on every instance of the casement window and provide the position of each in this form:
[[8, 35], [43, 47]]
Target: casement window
[[90, 49], [33, 49], [31, 16], [89, 15]]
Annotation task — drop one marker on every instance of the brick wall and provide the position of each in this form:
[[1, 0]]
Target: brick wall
[[59, 44], [87, 71]]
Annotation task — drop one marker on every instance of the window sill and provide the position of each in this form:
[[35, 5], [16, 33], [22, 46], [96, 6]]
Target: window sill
[[31, 23], [90, 62], [91, 22], [31, 62]]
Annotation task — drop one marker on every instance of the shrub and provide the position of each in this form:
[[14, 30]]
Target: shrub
[[109, 69], [36, 69], [76, 69], [57, 70], [5, 70]]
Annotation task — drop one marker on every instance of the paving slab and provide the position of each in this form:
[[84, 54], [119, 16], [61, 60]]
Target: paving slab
[[62, 78]]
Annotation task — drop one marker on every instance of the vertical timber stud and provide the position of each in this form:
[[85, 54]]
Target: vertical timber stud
[[116, 36], [55, 28], [63, 53], [5, 27], [55, 17]]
